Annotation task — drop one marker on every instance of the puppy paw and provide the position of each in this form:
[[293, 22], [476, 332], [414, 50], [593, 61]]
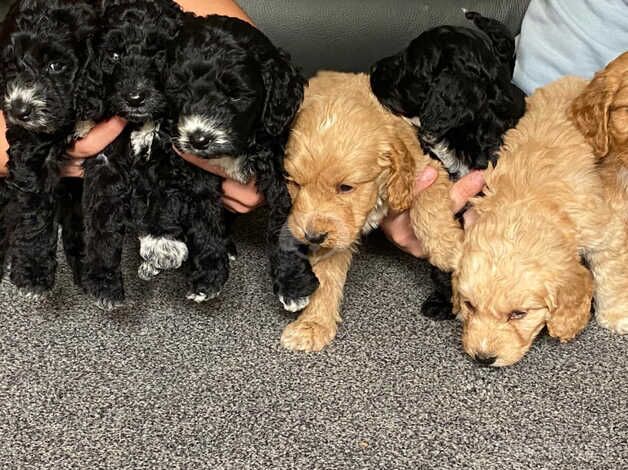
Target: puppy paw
[[617, 322], [147, 272], [294, 305], [162, 252], [307, 336], [31, 293], [107, 304], [200, 297], [232, 251], [295, 287], [437, 308]]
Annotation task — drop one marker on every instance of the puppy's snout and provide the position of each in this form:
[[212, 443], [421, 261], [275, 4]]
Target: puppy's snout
[[316, 238], [21, 110], [200, 140], [136, 98], [484, 359]]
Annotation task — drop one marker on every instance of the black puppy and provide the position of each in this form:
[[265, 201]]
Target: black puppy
[[233, 96], [46, 49], [132, 52], [454, 85]]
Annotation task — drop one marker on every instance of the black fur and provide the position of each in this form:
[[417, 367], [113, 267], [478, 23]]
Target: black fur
[[46, 50], [132, 51], [457, 82], [245, 91]]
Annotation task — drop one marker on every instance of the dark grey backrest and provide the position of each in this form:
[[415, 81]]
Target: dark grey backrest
[[350, 35]]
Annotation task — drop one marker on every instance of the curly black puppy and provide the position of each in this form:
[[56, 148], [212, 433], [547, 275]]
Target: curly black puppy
[[233, 95], [132, 51], [46, 48], [454, 85]]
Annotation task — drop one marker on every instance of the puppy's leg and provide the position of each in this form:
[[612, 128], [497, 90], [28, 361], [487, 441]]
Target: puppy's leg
[[106, 208], [435, 225], [4, 223], [70, 206], [317, 325], [608, 263], [438, 306], [206, 238], [291, 272], [34, 243]]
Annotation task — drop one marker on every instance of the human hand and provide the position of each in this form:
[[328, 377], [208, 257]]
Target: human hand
[[397, 226], [96, 140], [237, 197]]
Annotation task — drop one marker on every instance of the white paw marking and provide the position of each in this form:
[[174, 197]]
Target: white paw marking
[[232, 257], [295, 305], [163, 253], [199, 297], [107, 304], [147, 271], [29, 295]]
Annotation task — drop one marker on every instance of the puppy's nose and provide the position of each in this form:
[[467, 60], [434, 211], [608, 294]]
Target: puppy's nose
[[21, 111], [485, 359], [136, 98], [199, 140], [316, 238]]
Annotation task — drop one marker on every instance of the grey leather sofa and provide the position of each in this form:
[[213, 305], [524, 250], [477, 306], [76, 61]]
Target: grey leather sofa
[[350, 35]]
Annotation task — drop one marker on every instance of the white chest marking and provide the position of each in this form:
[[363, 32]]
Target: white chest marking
[[82, 128], [449, 159], [375, 216], [232, 166], [142, 139]]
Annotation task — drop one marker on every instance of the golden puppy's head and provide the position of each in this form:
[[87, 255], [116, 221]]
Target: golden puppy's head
[[601, 111], [347, 161], [514, 279]]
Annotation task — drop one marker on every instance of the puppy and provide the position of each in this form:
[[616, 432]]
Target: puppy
[[46, 50], [454, 84], [233, 95], [132, 48], [546, 210], [348, 162]]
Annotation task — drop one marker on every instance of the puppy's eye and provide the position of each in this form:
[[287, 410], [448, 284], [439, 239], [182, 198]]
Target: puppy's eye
[[56, 67], [115, 56], [516, 315], [344, 188], [469, 306]]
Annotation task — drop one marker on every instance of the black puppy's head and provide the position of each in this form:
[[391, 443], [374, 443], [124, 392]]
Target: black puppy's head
[[230, 87], [133, 49], [46, 47]]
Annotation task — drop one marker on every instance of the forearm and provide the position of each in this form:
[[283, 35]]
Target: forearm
[[4, 147], [220, 7]]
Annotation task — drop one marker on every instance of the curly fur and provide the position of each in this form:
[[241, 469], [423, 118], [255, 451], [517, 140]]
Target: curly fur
[[453, 83], [545, 202], [46, 52], [134, 40], [233, 95], [348, 161]]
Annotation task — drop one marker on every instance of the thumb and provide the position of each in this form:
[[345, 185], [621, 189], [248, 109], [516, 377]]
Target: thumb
[[425, 179], [465, 188]]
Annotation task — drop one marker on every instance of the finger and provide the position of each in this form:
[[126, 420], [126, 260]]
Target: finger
[[425, 179], [200, 162], [245, 194], [73, 168], [98, 138], [235, 206], [465, 188]]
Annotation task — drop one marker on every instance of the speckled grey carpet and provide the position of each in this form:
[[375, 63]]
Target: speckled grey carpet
[[163, 383]]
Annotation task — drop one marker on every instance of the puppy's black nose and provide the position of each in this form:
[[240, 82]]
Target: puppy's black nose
[[316, 238], [136, 98], [199, 140], [21, 110], [485, 359]]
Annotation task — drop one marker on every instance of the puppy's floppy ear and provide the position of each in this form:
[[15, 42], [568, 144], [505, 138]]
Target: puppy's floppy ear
[[384, 77], [569, 302], [398, 160], [284, 92], [590, 111]]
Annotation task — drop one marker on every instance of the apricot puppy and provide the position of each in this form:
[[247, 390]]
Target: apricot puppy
[[348, 162], [546, 210]]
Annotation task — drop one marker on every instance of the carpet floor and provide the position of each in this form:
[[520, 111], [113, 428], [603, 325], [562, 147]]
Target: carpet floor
[[164, 383]]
